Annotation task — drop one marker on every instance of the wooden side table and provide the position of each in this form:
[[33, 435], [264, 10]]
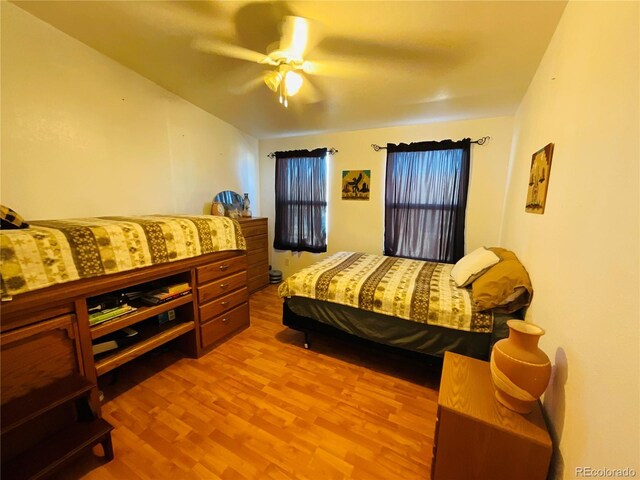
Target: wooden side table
[[477, 437]]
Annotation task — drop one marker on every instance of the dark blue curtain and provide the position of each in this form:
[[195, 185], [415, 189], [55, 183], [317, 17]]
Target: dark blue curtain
[[426, 200], [301, 201]]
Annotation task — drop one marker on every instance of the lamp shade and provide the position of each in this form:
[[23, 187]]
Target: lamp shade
[[292, 83], [272, 80]]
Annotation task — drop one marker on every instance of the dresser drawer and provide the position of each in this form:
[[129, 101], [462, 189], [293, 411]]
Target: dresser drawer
[[224, 325], [257, 242], [222, 304], [221, 269], [258, 282], [260, 255], [256, 269], [221, 286], [256, 227]]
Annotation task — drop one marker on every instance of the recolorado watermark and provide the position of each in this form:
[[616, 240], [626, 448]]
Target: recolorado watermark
[[593, 472]]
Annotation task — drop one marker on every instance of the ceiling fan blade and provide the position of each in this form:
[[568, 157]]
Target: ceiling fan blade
[[388, 53], [311, 92], [181, 18], [295, 37], [228, 50], [247, 86], [340, 69]]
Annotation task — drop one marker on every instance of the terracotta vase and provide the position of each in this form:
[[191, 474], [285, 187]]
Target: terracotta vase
[[519, 369]]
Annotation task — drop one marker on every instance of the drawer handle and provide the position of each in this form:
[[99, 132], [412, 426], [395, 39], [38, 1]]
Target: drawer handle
[[224, 285], [224, 320], [225, 302], [223, 267]]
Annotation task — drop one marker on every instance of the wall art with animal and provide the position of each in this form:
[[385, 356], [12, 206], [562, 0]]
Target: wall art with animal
[[356, 184]]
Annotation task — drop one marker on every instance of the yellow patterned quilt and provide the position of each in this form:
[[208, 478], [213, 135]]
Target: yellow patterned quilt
[[59, 251], [410, 289]]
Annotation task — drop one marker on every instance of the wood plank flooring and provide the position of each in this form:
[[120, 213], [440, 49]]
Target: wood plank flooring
[[261, 406]]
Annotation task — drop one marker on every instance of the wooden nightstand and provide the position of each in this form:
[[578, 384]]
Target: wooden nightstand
[[477, 437]]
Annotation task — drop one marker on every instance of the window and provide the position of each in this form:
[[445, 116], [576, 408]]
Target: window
[[301, 201], [425, 200]]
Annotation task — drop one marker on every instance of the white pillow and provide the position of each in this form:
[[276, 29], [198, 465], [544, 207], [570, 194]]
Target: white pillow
[[473, 265]]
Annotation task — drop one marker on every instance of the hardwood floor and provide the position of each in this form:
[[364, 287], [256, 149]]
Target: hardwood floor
[[261, 406]]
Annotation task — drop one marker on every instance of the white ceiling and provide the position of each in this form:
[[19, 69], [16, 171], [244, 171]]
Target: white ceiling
[[391, 62]]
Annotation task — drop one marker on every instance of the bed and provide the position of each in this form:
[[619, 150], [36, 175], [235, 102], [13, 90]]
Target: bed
[[404, 304], [55, 272], [52, 252]]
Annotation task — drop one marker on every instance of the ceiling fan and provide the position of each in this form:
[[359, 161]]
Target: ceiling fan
[[286, 57]]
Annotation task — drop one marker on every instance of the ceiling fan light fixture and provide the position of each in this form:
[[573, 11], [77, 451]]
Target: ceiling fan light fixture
[[272, 80], [292, 83]]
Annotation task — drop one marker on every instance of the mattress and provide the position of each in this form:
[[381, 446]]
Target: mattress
[[413, 290], [51, 252]]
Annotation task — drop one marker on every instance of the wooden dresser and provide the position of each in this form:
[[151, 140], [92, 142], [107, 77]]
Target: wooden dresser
[[255, 231], [477, 437], [49, 397], [222, 299]]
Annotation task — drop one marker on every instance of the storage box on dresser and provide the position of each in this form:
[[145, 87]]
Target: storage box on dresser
[[477, 437], [255, 231]]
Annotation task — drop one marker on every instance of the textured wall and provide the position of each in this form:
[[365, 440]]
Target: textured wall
[[84, 136]]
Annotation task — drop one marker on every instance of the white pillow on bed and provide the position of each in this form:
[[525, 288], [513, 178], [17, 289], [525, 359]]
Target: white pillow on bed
[[471, 266]]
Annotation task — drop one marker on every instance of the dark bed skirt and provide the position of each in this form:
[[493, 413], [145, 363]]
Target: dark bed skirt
[[308, 325], [408, 338]]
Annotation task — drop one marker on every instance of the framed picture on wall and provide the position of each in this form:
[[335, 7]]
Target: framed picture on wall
[[539, 179], [356, 184]]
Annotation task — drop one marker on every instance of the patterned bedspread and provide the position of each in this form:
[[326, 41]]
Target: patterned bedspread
[[410, 289], [59, 251]]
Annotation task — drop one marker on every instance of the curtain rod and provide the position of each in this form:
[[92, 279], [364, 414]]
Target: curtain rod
[[330, 151], [480, 141]]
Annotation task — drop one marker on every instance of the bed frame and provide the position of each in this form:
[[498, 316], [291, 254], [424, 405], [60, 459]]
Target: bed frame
[[307, 325], [51, 410], [464, 345]]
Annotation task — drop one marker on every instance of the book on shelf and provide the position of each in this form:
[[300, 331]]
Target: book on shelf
[[133, 295], [109, 301], [165, 317], [104, 302], [110, 313], [117, 339], [175, 288], [156, 298]]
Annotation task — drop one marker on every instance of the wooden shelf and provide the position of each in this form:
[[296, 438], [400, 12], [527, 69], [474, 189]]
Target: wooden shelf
[[41, 400], [150, 340], [43, 459], [142, 313], [46, 335]]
